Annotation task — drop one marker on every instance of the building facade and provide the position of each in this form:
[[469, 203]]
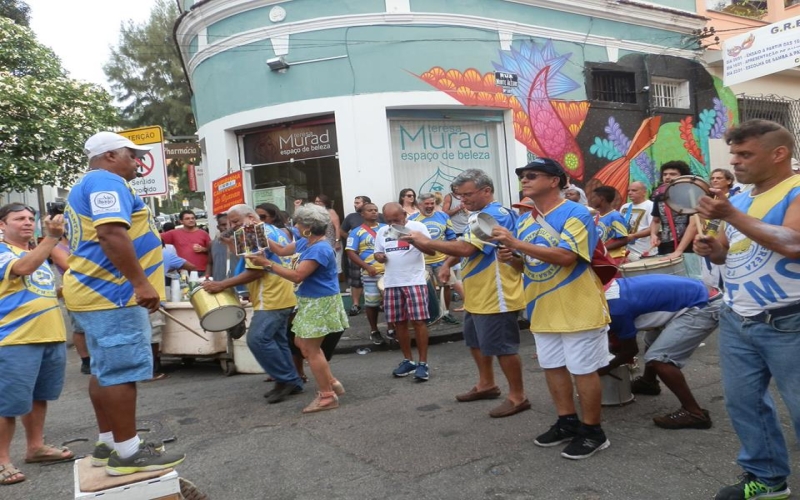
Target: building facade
[[367, 97]]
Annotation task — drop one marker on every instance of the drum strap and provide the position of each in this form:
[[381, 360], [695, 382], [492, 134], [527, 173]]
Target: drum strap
[[369, 230], [671, 223]]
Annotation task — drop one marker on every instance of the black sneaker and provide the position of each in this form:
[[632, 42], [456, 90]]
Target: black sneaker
[[281, 392], [148, 458], [642, 386], [355, 310], [750, 488], [376, 337], [556, 435], [86, 369], [585, 445]]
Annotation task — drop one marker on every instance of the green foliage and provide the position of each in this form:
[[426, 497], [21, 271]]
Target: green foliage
[[45, 117], [16, 10]]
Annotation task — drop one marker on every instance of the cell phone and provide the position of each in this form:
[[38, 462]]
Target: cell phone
[[261, 236], [239, 242], [55, 208]]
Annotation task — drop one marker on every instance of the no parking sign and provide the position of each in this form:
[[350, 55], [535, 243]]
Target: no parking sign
[[152, 165]]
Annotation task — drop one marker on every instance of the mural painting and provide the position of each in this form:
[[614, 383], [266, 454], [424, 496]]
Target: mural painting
[[598, 143]]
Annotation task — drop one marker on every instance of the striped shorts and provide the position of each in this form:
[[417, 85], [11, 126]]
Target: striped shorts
[[406, 303]]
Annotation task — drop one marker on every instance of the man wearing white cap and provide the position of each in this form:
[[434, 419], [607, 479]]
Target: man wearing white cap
[[115, 277]]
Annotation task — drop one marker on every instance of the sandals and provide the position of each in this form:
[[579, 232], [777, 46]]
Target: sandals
[[337, 387], [49, 453], [7, 472], [323, 401]]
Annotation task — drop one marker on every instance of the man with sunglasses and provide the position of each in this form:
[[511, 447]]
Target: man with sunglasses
[[33, 355], [493, 296], [115, 278], [557, 241]]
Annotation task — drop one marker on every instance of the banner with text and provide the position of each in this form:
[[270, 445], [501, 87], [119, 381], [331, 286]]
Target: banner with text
[[284, 144], [761, 52], [228, 191], [428, 154]]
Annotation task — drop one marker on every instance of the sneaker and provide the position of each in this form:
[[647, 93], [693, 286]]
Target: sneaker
[[405, 368], [355, 310], [391, 334], [282, 392], [682, 419], [556, 435], [376, 337], [421, 373], [749, 488], [642, 386], [148, 458], [450, 319], [86, 369], [584, 446], [100, 454]]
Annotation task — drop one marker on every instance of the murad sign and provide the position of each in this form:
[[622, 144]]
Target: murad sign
[[153, 166], [761, 52]]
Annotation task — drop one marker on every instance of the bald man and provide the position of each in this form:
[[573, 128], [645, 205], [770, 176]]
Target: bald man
[[638, 215]]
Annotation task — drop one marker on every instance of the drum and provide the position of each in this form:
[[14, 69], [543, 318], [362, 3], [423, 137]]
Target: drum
[[395, 231], [654, 265], [617, 387], [481, 226], [683, 194], [217, 311]]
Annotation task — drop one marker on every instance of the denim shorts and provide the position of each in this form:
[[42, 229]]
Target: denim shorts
[[30, 372], [494, 334], [119, 344]]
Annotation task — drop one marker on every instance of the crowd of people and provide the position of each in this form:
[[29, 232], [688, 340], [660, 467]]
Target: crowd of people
[[537, 263]]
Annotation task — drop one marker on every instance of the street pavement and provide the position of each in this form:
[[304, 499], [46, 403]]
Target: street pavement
[[399, 439]]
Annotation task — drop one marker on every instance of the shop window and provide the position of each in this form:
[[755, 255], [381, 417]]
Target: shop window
[[789, 3], [754, 9], [669, 93], [613, 86]]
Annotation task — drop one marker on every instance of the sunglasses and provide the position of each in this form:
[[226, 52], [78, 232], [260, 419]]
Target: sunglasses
[[409, 195], [532, 176], [263, 216], [16, 208]]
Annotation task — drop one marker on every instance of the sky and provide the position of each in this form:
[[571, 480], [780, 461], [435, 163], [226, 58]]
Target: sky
[[81, 32]]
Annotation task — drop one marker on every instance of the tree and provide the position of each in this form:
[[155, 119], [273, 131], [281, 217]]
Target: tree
[[16, 10], [146, 75], [45, 117]]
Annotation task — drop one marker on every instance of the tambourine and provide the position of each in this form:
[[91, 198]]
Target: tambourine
[[683, 194]]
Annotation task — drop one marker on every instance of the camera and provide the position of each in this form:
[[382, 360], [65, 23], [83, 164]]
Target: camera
[[55, 208]]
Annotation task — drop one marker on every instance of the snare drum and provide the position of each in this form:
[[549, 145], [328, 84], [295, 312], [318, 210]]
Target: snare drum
[[217, 311], [654, 265], [683, 194]]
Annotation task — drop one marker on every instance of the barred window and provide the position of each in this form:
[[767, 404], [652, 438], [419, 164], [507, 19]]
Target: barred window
[[613, 86], [669, 93], [777, 109]]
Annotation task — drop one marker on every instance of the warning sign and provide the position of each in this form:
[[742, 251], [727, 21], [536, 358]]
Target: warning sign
[[153, 166]]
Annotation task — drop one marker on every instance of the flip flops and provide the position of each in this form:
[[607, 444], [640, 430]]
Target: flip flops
[[49, 453], [7, 471]]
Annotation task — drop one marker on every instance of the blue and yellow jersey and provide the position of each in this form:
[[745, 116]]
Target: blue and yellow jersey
[[92, 282], [612, 226], [271, 292], [29, 312], [491, 286], [363, 243], [757, 278], [440, 227], [563, 299]]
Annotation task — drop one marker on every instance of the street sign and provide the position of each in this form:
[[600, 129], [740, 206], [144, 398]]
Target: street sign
[[504, 79], [183, 150], [152, 166]]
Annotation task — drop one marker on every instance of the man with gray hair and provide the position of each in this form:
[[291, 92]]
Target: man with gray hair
[[638, 216], [493, 296], [115, 277], [273, 302]]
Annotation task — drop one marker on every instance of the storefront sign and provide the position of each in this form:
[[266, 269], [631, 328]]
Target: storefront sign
[[185, 150], [228, 191], [763, 51], [296, 143], [192, 177]]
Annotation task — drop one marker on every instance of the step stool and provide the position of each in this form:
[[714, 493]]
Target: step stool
[[93, 482]]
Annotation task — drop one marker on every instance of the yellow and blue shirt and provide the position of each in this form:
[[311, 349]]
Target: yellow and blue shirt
[[92, 282], [491, 286], [271, 292], [441, 228], [563, 299], [610, 227], [362, 242], [29, 312]]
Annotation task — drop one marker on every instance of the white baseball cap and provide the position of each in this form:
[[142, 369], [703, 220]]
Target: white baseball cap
[[103, 142]]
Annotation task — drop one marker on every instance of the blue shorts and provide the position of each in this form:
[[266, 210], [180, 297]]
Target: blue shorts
[[119, 344], [494, 334], [30, 372]]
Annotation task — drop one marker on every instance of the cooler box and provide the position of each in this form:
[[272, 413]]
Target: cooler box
[[179, 341]]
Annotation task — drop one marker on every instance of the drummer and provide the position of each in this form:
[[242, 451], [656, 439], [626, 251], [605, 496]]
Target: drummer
[[677, 314], [610, 224], [360, 249], [273, 302]]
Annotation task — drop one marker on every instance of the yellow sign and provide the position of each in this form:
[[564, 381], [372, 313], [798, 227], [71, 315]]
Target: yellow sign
[[144, 135]]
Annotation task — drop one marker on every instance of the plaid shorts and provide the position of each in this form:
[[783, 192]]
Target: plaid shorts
[[406, 303]]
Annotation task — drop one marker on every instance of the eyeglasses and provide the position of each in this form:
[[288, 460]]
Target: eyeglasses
[[467, 195], [532, 176]]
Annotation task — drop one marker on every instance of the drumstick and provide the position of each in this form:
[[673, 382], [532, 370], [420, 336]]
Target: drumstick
[[176, 320], [699, 224]]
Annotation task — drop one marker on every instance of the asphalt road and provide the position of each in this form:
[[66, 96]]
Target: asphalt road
[[397, 439]]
